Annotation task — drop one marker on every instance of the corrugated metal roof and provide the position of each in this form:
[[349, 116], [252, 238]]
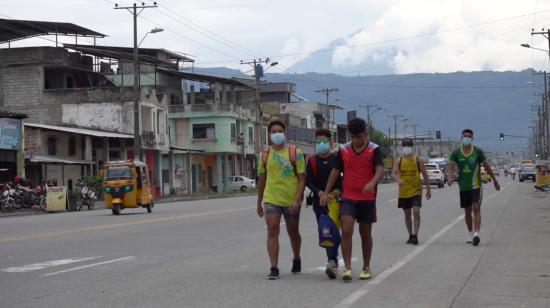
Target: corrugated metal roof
[[60, 160], [81, 131], [13, 29]]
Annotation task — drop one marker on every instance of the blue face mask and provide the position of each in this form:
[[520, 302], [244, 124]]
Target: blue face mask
[[278, 138], [466, 141], [323, 148]]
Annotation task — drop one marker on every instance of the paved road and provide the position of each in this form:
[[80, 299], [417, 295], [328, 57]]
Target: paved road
[[212, 253]]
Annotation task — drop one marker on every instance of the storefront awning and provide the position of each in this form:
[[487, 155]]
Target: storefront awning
[[60, 160], [176, 148], [80, 131]]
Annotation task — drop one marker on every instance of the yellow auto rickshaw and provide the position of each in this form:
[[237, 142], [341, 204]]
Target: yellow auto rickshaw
[[127, 185]]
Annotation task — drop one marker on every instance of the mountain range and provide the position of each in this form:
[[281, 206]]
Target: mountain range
[[487, 102]]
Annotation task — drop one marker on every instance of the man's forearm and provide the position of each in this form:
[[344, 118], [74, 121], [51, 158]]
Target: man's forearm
[[301, 187], [378, 175], [331, 180], [261, 188]]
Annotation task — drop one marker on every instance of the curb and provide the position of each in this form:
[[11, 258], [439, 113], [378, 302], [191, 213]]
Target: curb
[[205, 197], [163, 200]]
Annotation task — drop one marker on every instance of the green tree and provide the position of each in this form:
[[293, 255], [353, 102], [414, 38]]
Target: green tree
[[382, 140]]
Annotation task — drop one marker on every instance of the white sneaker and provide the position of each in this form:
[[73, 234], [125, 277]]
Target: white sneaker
[[470, 237], [332, 269]]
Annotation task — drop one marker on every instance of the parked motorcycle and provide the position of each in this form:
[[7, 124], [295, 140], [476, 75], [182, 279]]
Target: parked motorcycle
[[7, 200], [87, 195], [24, 196]]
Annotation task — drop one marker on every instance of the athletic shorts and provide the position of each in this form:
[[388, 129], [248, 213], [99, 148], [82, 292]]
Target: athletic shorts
[[469, 197], [409, 203], [363, 211], [283, 210]]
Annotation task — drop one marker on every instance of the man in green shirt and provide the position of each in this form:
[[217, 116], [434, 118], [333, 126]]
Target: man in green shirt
[[281, 172], [468, 160]]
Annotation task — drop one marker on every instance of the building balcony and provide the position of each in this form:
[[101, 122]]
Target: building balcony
[[206, 110]]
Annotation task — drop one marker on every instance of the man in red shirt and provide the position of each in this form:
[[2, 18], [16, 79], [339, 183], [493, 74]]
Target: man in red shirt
[[361, 163]]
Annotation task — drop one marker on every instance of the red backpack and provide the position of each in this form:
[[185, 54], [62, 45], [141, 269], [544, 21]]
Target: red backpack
[[291, 154]]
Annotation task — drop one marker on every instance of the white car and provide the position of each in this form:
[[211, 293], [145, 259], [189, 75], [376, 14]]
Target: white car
[[435, 175], [239, 182]]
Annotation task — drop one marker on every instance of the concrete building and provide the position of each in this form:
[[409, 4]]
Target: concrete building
[[63, 155], [11, 146], [75, 87], [212, 133]]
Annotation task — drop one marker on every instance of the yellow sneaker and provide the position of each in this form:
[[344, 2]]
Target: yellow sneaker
[[365, 274], [346, 275]]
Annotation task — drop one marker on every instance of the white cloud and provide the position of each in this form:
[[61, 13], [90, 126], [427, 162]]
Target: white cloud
[[492, 46], [282, 27]]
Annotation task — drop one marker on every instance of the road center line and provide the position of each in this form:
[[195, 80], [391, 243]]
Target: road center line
[[353, 297], [90, 265], [119, 225]]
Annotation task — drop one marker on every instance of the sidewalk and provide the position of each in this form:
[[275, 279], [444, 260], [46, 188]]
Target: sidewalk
[[514, 271]]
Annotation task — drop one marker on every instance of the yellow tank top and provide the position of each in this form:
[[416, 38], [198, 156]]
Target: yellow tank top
[[410, 174]]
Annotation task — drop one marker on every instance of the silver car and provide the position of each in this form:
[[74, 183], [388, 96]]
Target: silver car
[[240, 183]]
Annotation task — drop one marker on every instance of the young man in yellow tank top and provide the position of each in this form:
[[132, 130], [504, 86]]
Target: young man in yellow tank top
[[406, 171]]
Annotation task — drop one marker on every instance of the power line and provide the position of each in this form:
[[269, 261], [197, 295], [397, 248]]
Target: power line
[[212, 34], [414, 36], [189, 39]]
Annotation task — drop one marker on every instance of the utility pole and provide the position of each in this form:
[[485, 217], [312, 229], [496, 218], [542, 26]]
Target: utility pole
[[258, 73], [395, 117], [414, 126], [545, 125], [137, 107], [369, 114], [327, 92]]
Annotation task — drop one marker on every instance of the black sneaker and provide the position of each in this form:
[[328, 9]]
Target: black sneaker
[[414, 240], [410, 241], [273, 274], [476, 240], [296, 266]]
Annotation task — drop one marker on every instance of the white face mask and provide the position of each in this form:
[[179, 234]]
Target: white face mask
[[407, 150]]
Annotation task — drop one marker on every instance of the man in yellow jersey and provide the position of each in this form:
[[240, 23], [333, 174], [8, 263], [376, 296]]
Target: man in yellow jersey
[[406, 171], [281, 171]]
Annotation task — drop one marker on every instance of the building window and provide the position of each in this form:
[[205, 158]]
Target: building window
[[251, 135], [72, 146], [204, 131], [158, 122], [233, 131], [52, 145]]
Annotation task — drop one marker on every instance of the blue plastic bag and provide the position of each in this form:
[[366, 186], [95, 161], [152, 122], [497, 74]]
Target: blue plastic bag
[[329, 236]]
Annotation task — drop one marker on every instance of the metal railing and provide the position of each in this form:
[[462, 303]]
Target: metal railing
[[176, 108]]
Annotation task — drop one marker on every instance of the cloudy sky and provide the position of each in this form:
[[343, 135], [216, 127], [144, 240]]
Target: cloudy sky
[[407, 36]]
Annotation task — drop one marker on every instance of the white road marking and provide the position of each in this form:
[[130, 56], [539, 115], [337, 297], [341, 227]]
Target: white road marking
[[392, 200], [353, 297], [43, 265], [130, 258]]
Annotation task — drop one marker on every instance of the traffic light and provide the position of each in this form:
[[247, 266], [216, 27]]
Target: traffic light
[[438, 135], [501, 136]]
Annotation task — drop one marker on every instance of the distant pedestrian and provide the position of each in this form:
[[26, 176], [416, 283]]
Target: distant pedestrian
[[281, 171], [318, 170], [406, 171], [469, 159], [513, 172], [362, 164]]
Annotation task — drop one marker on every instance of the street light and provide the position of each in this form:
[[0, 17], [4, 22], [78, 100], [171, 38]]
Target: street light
[[153, 31], [529, 46]]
